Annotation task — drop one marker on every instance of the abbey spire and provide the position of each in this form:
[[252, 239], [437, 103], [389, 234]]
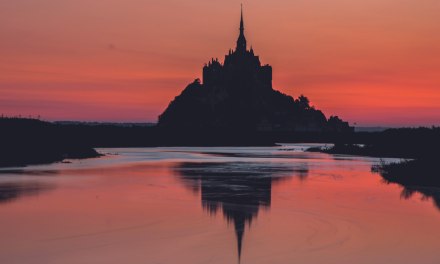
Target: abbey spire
[[241, 21], [241, 42], [241, 73]]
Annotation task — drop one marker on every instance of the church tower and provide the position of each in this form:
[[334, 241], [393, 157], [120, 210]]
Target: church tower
[[241, 42], [241, 73]]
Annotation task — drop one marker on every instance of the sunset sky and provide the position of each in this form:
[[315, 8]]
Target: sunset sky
[[374, 62]]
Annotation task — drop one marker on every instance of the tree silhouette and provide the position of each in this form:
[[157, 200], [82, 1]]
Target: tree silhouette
[[304, 102]]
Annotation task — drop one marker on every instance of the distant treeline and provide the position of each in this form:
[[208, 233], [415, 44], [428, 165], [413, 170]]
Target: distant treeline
[[370, 129], [103, 123]]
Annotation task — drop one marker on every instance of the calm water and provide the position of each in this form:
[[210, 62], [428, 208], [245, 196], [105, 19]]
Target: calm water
[[214, 205]]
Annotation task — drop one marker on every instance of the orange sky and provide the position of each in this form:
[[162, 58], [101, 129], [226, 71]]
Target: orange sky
[[374, 62]]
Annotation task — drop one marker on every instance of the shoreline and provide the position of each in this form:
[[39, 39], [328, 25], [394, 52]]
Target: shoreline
[[49, 158], [417, 170], [421, 172]]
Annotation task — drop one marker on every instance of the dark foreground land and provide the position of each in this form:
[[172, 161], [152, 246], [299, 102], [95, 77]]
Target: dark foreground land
[[30, 141], [419, 149], [422, 172]]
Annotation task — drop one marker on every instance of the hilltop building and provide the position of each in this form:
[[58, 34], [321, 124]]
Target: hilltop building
[[241, 69], [238, 94]]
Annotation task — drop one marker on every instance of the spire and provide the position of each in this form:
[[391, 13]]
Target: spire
[[241, 42], [241, 21]]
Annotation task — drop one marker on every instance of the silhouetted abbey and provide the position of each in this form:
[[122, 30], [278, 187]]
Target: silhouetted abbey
[[239, 94], [241, 70]]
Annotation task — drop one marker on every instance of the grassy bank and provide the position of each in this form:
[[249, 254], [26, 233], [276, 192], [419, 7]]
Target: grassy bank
[[421, 145], [419, 172]]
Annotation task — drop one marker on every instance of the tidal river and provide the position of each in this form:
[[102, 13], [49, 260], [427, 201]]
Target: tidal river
[[214, 205]]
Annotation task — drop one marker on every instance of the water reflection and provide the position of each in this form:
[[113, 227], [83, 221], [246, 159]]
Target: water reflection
[[409, 191], [426, 192], [11, 191], [239, 189], [13, 187]]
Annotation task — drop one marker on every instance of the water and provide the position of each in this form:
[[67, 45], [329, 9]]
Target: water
[[214, 205]]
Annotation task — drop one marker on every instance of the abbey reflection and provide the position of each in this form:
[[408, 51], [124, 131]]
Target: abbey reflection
[[237, 189], [241, 71]]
